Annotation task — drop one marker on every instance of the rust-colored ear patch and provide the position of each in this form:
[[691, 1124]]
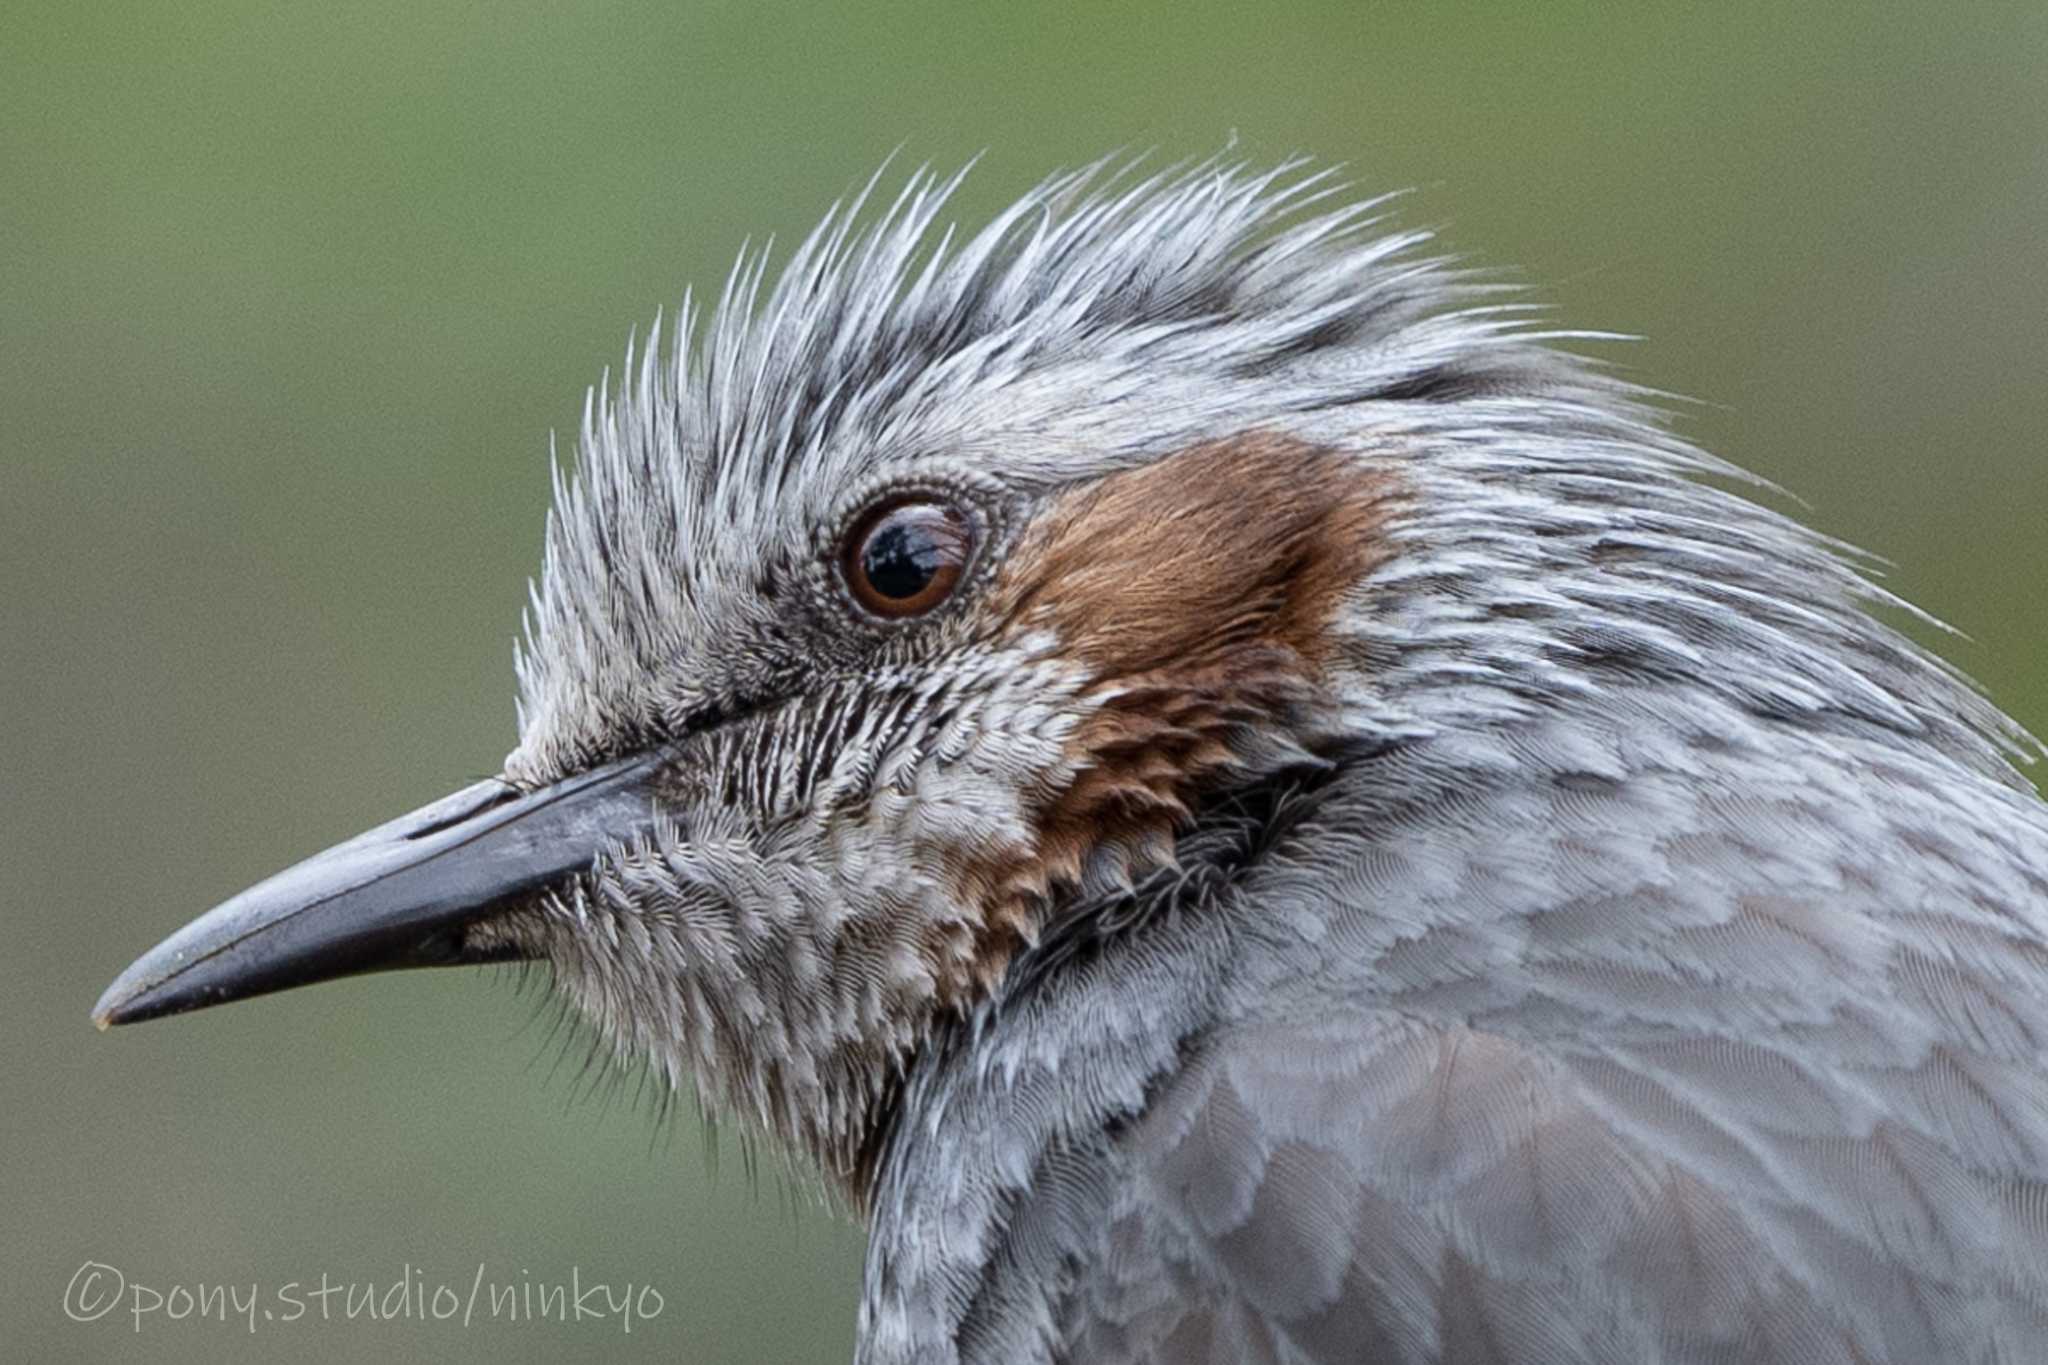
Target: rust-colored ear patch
[[1177, 565], [1197, 592]]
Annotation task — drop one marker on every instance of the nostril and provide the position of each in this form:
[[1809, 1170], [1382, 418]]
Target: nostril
[[467, 804]]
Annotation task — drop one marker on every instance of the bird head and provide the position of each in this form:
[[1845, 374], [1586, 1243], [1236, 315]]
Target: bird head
[[950, 599]]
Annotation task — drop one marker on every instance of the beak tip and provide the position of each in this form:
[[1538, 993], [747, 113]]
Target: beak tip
[[114, 1002], [157, 984]]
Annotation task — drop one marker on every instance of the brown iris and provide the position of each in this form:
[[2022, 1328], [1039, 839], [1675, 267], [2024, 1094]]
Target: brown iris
[[904, 558]]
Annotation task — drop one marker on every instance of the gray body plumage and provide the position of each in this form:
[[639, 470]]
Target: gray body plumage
[[1382, 856], [1607, 1037]]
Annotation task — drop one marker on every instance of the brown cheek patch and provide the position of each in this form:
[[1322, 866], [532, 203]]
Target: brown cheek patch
[[1178, 565], [1197, 592]]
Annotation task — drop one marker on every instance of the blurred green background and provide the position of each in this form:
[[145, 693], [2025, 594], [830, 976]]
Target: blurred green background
[[292, 295]]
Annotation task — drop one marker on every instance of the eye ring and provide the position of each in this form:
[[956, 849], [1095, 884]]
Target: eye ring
[[906, 555]]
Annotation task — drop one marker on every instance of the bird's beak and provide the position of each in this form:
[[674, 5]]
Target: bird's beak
[[402, 895]]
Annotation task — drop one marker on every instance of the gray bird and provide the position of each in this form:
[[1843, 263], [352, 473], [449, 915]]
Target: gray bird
[[1241, 804]]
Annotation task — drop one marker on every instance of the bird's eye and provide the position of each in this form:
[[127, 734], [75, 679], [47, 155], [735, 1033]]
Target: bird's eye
[[904, 558]]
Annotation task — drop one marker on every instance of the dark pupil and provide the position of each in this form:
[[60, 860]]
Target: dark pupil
[[900, 559]]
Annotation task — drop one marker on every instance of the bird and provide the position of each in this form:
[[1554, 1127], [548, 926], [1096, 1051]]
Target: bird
[[1237, 797]]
